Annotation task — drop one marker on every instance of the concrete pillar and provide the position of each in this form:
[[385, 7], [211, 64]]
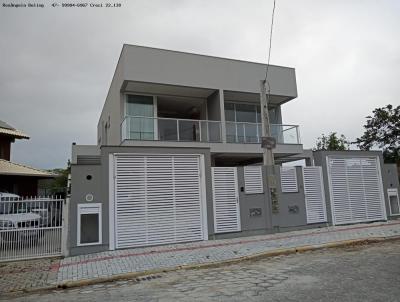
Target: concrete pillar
[[222, 107]]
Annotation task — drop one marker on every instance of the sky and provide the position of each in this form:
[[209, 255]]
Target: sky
[[56, 64]]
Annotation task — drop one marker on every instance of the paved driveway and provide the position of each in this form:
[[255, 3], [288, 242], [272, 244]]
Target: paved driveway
[[362, 273]]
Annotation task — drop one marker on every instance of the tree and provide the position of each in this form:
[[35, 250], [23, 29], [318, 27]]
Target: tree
[[382, 130], [332, 142], [57, 185]]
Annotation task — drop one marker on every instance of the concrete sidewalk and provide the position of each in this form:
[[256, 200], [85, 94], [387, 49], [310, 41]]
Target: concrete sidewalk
[[130, 263]]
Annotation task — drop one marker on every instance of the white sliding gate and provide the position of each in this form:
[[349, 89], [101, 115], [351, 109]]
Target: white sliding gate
[[314, 194], [158, 200], [30, 227], [226, 200], [356, 189]]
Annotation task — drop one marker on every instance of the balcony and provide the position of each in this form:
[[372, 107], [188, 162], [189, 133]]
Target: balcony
[[244, 133], [169, 129], [188, 130]]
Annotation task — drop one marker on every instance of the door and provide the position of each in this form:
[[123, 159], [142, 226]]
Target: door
[[226, 200], [314, 194], [356, 189], [158, 200]]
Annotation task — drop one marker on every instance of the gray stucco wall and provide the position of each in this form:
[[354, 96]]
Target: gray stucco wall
[[146, 64], [80, 186], [390, 181], [295, 201], [251, 201]]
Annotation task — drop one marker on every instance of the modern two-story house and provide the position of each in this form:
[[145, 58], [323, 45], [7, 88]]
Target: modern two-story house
[[178, 155]]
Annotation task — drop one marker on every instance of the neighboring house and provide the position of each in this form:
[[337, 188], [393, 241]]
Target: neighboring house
[[16, 178], [179, 157]]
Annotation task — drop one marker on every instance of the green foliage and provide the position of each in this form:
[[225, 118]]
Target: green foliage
[[332, 142], [58, 184], [382, 130]]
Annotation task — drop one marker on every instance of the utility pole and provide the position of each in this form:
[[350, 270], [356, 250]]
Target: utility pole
[[267, 141]]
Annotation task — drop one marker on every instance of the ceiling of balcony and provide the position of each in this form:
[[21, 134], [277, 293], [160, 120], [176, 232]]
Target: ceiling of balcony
[[253, 97], [164, 89]]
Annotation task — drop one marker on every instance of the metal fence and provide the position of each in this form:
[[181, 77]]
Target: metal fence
[[30, 227]]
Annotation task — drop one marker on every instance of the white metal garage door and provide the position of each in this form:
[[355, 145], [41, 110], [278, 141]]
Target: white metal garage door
[[226, 200], [158, 199], [356, 190]]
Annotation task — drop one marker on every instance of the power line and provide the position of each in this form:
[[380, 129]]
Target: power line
[[270, 46]]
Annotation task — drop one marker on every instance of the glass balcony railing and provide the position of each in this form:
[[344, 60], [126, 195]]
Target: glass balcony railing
[[186, 130], [237, 132], [169, 129]]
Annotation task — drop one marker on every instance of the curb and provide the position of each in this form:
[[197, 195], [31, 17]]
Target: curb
[[258, 256]]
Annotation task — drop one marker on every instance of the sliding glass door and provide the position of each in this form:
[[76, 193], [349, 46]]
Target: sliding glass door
[[140, 109]]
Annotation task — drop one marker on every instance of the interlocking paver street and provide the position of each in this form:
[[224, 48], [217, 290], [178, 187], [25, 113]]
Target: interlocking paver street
[[359, 273], [112, 263]]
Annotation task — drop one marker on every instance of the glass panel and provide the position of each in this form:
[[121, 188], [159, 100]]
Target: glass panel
[[141, 128], [204, 131], [167, 130], [139, 105], [240, 133], [285, 134], [230, 112], [394, 205], [136, 107], [231, 132], [189, 130], [89, 228], [214, 131], [246, 113], [251, 133]]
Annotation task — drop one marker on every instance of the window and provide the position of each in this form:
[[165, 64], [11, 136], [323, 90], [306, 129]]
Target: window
[[243, 122], [140, 109], [89, 224], [394, 202]]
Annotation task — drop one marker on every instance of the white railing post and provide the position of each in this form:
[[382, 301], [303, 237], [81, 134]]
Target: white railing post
[[199, 130], [177, 130]]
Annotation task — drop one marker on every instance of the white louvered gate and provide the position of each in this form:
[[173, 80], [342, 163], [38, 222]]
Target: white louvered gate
[[356, 190], [253, 180], [226, 200], [158, 199], [289, 180], [314, 194]]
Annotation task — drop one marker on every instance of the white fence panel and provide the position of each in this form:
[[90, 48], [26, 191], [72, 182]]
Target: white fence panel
[[314, 194], [289, 180], [253, 181], [30, 227]]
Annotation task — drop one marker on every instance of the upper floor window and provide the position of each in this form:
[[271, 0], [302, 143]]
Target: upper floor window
[[141, 109], [244, 113], [139, 105]]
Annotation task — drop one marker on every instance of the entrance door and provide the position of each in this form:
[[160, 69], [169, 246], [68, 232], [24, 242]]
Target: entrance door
[[158, 200], [226, 200], [356, 190]]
